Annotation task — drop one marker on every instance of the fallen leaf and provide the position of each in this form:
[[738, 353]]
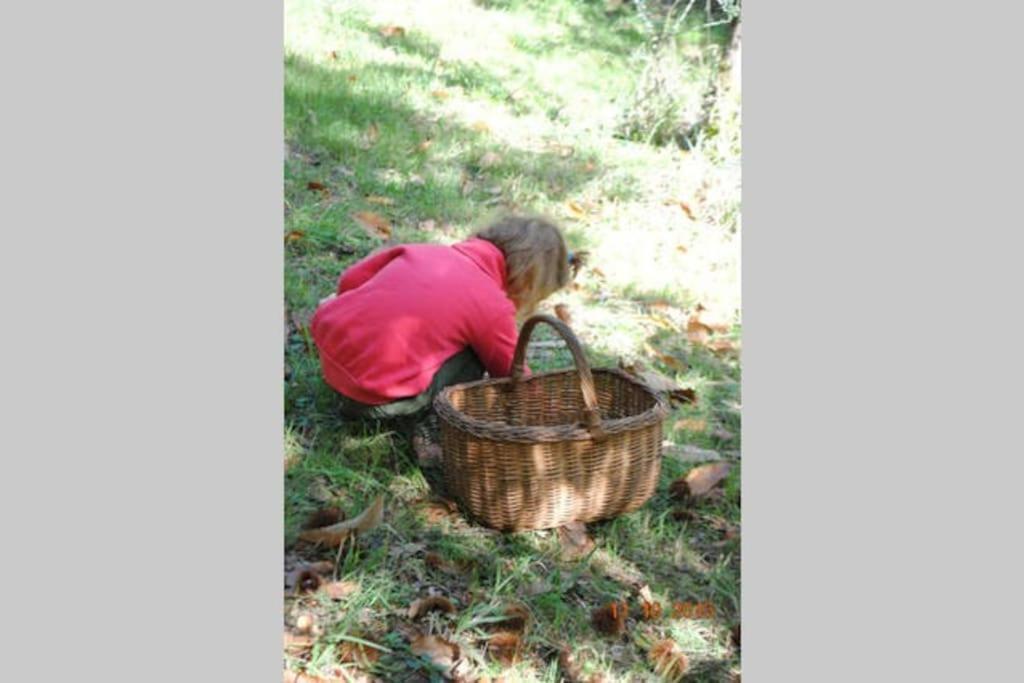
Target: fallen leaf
[[335, 534], [656, 381], [610, 619], [505, 647], [425, 145], [562, 311], [296, 644], [721, 345], [681, 249], [373, 224], [383, 201], [663, 322], [682, 205], [294, 235], [668, 659], [691, 424], [315, 186], [700, 480], [696, 331], [437, 650], [440, 94], [392, 31], [435, 603], [324, 517], [574, 540], [575, 209], [339, 590], [357, 653]]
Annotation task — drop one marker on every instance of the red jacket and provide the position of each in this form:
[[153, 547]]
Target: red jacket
[[404, 311]]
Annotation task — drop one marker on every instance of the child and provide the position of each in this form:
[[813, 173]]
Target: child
[[407, 321]]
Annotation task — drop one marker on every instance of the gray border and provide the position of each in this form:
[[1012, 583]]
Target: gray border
[[142, 284], [881, 146]]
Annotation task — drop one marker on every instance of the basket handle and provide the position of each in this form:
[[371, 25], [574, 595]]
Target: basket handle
[[591, 416]]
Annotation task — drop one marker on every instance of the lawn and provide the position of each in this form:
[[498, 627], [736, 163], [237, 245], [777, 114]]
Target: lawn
[[416, 121]]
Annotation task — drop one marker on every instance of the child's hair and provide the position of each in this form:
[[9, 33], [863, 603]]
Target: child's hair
[[536, 258]]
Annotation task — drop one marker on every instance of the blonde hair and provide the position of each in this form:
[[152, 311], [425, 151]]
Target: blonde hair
[[536, 258]]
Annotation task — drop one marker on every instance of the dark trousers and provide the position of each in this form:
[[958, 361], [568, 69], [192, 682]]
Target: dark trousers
[[462, 367]]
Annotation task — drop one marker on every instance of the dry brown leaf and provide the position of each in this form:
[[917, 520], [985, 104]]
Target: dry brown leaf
[[610, 619], [659, 383], [324, 517], [575, 209], [700, 480], [434, 603], [424, 145], [392, 31], [440, 95], [335, 534], [668, 660], [505, 647], [297, 644], [681, 249], [722, 345], [663, 322], [691, 424], [441, 652], [382, 201], [315, 186], [294, 235], [574, 540], [339, 590], [682, 205], [562, 311], [357, 653], [696, 331], [373, 224]]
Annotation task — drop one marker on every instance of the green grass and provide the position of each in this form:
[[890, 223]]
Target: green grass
[[520, 102]]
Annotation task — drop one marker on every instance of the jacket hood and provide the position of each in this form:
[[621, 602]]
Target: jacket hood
[[486, 256]]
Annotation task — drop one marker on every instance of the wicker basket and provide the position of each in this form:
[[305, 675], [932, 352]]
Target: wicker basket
[[552, 448]]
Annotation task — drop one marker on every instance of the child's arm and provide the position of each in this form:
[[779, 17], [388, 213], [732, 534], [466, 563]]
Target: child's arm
[[357, 274], [495, 345]]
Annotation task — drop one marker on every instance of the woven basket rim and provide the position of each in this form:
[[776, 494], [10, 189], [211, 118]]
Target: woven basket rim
[[548, 433]]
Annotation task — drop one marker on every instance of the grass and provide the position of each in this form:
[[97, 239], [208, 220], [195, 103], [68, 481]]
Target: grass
[[473, 109]]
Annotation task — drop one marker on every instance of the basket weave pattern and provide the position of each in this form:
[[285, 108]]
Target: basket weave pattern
[[556, 447]]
